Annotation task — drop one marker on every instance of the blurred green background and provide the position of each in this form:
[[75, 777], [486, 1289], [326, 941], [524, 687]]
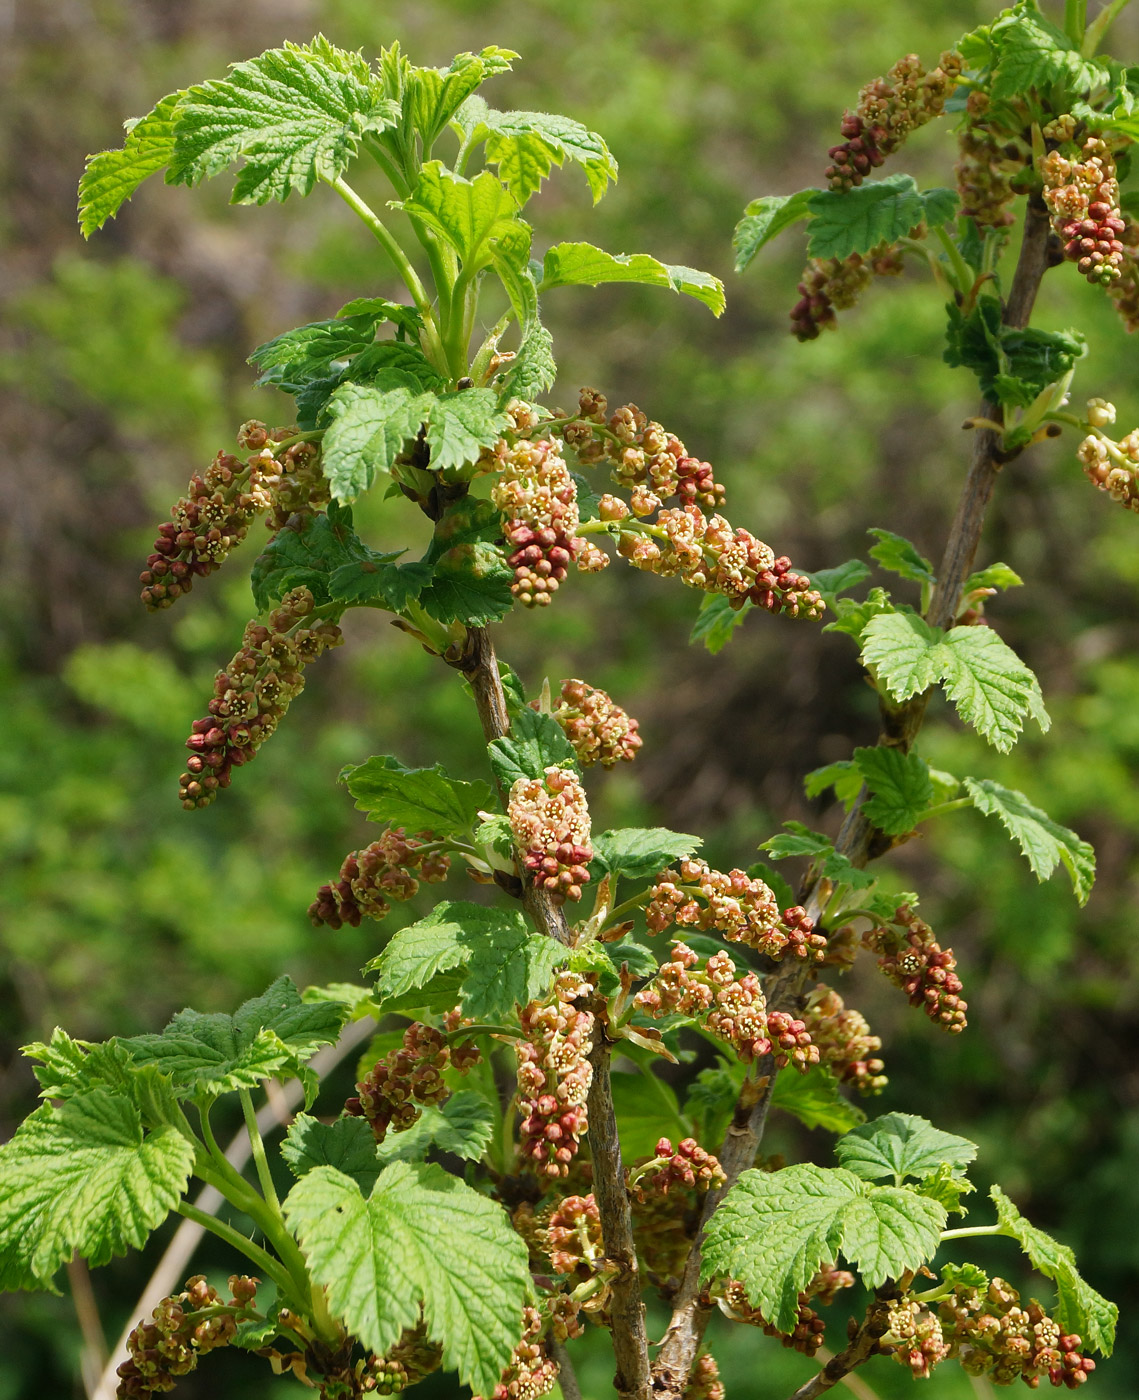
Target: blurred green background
[[122, 370]]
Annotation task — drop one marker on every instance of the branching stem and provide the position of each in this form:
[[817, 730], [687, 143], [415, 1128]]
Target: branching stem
[[269, 1266]]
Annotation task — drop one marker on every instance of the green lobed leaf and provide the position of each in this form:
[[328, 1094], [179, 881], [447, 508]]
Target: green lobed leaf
[[349, 1145], [1032, 52], [581, 264], [896, 553], [82, 1178], [367, 429], [879, 211], [1012, 366], [967, 1275], [535, 742], [359, 1000], [773, 1229], [796, 840], [460, 424], [946, 1186], [422, 1239], [764, 218], [716, 621], [533, 370], [844, 776], [902, 649], [111, 177], [268, 1037], [322, 553], [503, 962], [311, 348], [470, 583], [900, 786], [462, 1125], [901, 1145], [815, 1099], [470, 215], [418, 799], [524, 146], [831, 582], [433, 96], [294, 115], [852, 617], [638, 853], [1080, 1308], [1043, 842], [991, 687], [406, 319]]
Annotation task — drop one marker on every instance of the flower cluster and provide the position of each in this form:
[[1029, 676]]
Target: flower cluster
[[401, 1366], [888, 110], [808, 1333], [215, 513], [531, 1371], [742, 909], [537, 496], [549, 819], [573, 1236], [704, 1380], [1083, 198], [706, 552], [844, 1040], [912, 959], [915, 1337], [990, 1334], [665, 1194], [689, 1166], [554, 1075], [252, 694], [380, 873], [600, 731], [987, 163], [1111, 466], [391, 1092], [184, 1326], [733, 1008], [646, 460], [835, 284]]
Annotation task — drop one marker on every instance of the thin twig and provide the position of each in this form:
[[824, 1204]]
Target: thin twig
[[567, 1376], [863, 1346], [858, 839], [93, 1357], [171, 1268]]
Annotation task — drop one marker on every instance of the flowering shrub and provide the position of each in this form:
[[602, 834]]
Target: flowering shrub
[[473, 1209]]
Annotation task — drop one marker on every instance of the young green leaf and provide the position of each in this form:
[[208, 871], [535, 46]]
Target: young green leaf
[[504, 962], [349, 1145], [1032, 52], [460, 424], [581, 264], [639, 853], [796, 840], [268, 1037], [322, 553], [1012, 366], [367, 429], [995, 576], [1080, 1308], [524, 145], [462, 1126], [533, 370], [991, 687], [901, 1145], [359, 1000], [433, 96], [418, 799], [880, 211], [773, 1230], [1043, 842], [310, 349], [469, 583], [896, 553], [82, 1178], [711, 1099], [831, 582], [852, 617], [111, 177], [646, 1112], [902, 649], [535, 742], [295, 115], [844, 776], [470, 215], [422, 1239], [814, 1099], [900, 787], [946, 1186], [716, 621], [766, 217]]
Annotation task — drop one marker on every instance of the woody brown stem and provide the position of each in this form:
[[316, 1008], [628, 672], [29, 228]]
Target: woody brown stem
[[863, 1346], [858, 839]]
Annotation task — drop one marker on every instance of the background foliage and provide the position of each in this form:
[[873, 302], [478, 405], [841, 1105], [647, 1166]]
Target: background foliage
[[122, 369]]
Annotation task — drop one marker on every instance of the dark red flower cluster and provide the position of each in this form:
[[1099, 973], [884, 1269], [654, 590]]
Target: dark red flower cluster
[[689, 1166], [844, 1040], [549, 818], [531, 1371], [554, 1075], [991, 1335], [744, 910], [835, 284], [600, 731], [912, 959], [252, 694], [573, 1236], [731, 1006], [666, 1193], [1083, 199], [888, 110], [393, 1090], [184, 1326], [809, 1331], [215, 514], [372, 878]]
